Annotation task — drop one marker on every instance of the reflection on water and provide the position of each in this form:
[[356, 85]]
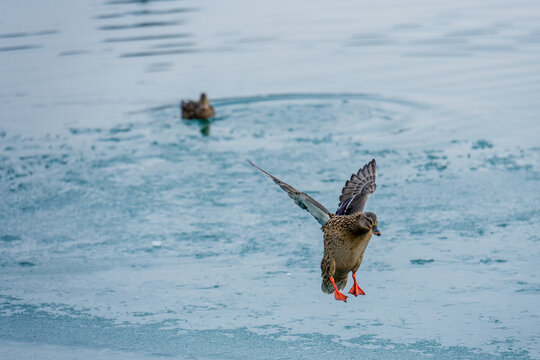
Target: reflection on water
[[148, 37], [36, 33], [495, 38], [162, 19], [145, 13], [139, 25], [159, 52], [205, 127], [19, 47]]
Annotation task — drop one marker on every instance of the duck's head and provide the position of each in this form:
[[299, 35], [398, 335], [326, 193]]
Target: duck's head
[[372, 218], [204, 99]]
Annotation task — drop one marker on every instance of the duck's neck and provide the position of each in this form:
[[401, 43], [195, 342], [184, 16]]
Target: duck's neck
[[359, 225]]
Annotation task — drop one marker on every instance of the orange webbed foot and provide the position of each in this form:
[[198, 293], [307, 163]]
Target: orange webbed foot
[[337, 294], [355, 290], [340, 296]]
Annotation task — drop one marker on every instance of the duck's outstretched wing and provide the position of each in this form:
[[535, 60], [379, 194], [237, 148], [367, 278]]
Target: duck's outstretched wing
[[357, 190], [301, 199]]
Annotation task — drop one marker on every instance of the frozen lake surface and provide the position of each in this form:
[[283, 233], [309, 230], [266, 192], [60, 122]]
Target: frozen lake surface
[[128, 233]]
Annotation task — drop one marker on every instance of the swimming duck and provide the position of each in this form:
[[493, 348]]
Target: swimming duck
[[197, 109], [346, 233]]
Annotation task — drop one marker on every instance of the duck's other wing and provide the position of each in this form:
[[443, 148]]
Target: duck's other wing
[[301, 199]]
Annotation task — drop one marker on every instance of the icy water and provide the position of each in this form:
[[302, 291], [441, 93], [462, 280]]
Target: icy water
[[128, 233]]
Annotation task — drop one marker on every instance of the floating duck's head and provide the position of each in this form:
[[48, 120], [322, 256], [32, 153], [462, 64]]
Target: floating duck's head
[[373, 218], [204, 99]]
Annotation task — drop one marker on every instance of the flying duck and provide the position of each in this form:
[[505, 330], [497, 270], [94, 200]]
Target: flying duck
[[346, 233]]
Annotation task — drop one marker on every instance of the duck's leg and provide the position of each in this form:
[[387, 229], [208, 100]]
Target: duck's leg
[[355, 290], [337, 294], [328, 270]]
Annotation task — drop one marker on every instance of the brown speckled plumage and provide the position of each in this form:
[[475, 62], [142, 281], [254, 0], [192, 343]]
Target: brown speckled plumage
[[346, 233], [346, 237], [197, 109]]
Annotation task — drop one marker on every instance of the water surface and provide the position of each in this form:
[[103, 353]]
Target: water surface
[[127, 232]]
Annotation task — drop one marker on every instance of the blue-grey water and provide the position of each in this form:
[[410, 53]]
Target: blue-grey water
[[128, 233]]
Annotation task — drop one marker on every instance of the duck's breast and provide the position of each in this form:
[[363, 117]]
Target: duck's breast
[[346, 247]]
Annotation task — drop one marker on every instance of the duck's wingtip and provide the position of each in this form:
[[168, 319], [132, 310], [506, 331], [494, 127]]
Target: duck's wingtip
[[256, 167]]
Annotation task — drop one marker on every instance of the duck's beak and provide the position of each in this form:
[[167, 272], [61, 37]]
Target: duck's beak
[[376, 231]]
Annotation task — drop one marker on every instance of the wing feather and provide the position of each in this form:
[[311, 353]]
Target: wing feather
[[301, 199], [358, 189]]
